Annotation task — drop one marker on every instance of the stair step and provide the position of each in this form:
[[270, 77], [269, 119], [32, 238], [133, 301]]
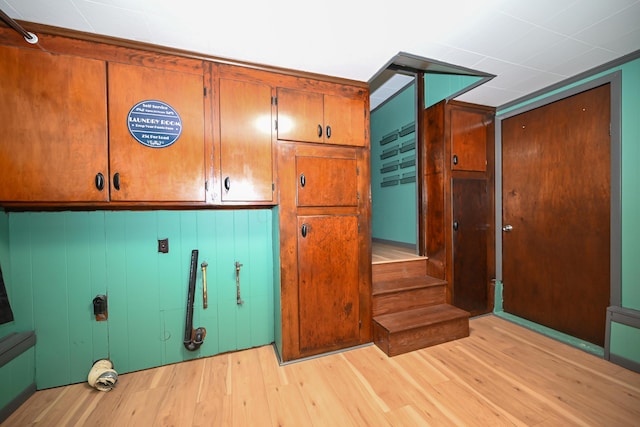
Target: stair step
[[405, 284], [407, 294], [402, 332], [399, 269]]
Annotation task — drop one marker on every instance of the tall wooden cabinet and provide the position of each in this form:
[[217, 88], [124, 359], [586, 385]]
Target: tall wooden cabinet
[[325, 253], [459, 164]]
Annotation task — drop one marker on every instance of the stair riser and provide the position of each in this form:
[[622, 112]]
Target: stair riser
[[407, 300], [397, 343], [397, 270]]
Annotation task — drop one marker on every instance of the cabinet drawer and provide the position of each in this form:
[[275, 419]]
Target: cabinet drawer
[[325, 181]]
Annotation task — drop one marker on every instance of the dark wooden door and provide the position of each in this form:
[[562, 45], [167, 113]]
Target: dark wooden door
[[328, 280], [470, 228], [556, 192], [245, 141]]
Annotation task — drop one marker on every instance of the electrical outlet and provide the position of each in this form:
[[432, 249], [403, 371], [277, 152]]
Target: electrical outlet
[[163, 246]]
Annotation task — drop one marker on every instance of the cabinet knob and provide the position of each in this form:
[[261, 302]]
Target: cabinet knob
[[455, 225], [328, 133], [319, 131], [455, 159], [304, 230], [303, 180], [227, 183], [116, 181], [100, 181]]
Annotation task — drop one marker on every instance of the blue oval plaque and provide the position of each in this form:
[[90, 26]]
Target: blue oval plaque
[[154, 124]]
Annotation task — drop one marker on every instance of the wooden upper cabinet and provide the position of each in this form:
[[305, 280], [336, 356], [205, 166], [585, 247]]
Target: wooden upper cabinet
[[246, 163], [314, 117], [468, 140], [345, 119], [162, 173], [53, 146]]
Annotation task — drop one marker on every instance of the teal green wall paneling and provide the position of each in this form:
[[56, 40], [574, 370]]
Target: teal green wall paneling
[[625, 341], [441, 86], [64, 259], [6, 271], [16, 376], [630, 180], [393, 208]]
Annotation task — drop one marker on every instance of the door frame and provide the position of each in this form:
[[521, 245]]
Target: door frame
[[615, 255]]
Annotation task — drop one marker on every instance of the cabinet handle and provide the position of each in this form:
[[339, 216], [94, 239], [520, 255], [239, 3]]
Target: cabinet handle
[[304, 230], [455, 225], [328, 133], [303, 180], [455, 159], [116, 181], [227, 183], [319, 131], [100, 181]]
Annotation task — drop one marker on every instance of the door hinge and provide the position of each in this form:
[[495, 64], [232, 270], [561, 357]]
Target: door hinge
[[273, 187], [357, 195], [274, 100], [206, 186], [357, 171], [275, 122], [360, 324], [205, 91], [358, 228]]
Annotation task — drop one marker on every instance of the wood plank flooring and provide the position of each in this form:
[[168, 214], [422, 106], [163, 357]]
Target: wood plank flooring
[[502, 374], [386, 252]]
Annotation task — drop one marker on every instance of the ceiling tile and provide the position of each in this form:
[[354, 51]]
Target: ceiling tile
[[584, 62], [557, 54], [584, 13], [608, 30]]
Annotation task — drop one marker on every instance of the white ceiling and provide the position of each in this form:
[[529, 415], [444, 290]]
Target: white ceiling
[[528, 45]]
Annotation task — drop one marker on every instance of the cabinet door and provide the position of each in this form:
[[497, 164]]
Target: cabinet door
[[300, 116], [328, 282], [165, 173], [468, 140], [470, 233], [54, 127], [344, 120], [325, 181], [245, 139]]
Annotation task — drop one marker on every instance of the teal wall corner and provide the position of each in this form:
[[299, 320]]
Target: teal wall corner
[[442, 86], [393, 164], [5, 265], [625, 341]]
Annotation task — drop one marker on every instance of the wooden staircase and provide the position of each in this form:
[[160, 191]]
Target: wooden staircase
[[410, 310]]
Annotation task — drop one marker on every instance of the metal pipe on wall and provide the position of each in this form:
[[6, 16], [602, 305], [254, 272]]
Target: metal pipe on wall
[[29, 37]]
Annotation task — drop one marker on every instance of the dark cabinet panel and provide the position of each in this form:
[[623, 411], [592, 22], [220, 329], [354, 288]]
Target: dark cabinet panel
[[470, 228]]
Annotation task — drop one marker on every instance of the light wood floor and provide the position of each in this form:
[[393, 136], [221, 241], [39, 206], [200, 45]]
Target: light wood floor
[[502, 374], [385, 252]]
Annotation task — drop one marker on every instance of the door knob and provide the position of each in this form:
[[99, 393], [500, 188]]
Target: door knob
[[507, 228]]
